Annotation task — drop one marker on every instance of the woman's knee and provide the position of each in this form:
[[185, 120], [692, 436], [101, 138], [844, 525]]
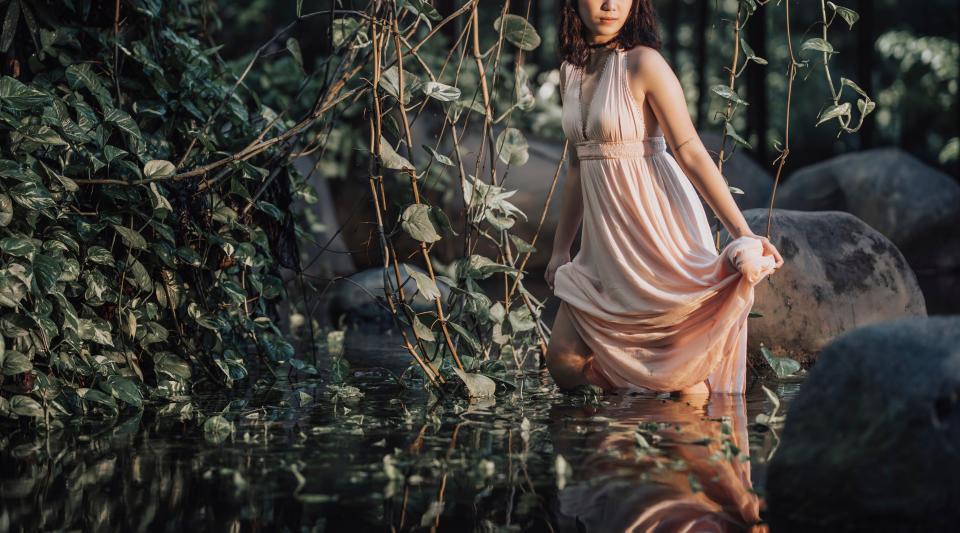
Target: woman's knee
[[566, 369]]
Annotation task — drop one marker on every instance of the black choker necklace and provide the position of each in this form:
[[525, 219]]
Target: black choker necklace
[[603, 44]]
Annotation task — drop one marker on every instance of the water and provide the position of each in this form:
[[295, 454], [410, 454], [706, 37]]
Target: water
[[305, 457]]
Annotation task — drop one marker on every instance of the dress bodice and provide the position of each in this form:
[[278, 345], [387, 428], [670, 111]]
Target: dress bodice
[[612, 114]]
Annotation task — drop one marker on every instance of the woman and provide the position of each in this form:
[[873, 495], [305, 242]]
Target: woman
[[647, 304]]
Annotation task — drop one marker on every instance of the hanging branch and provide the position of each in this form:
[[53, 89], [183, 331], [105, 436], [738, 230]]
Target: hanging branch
[[837, 110], [416, 197], [376, 181], [781, 159]]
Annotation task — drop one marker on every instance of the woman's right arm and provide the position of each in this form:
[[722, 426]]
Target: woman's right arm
[[571, 208]]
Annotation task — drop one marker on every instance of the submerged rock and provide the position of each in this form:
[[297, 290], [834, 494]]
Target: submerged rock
[[838, 274], [360, 299], [371, 338], [872, 441]]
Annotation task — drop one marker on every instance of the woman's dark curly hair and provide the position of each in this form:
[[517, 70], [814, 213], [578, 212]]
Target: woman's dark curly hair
[[642, 28]]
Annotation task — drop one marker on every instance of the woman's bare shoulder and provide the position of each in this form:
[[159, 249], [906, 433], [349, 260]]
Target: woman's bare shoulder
[[646, 64]]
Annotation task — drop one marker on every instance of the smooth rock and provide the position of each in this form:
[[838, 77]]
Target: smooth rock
[[872, 441], [889, 189], [360, 299], [838, 274], [913, 204]]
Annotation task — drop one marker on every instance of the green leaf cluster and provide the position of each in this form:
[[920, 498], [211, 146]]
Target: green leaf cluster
[[122, 281]]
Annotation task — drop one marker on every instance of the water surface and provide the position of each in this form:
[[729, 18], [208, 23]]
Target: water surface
[[374, 456]]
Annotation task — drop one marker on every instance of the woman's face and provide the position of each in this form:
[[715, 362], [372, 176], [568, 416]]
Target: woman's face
[[604, 18]]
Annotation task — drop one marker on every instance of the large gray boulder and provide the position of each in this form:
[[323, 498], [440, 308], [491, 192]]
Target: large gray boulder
[[872, 441], [894, 192], [916, 206], [838, 274]]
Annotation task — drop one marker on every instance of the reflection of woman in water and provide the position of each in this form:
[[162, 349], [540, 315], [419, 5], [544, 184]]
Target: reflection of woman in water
[[648, 303], [680, 482]]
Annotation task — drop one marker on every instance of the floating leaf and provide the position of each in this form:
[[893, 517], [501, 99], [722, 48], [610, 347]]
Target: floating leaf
[[478, 385]]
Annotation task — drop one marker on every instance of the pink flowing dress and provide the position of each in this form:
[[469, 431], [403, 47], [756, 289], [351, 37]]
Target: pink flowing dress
[[647, 291]]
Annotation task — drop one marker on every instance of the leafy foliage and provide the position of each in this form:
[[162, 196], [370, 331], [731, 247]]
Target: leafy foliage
[[119, 279]]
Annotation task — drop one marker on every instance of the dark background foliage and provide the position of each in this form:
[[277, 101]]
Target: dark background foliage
[[119, 280]]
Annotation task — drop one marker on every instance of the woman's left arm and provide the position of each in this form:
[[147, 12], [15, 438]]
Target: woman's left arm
[[650, 73]]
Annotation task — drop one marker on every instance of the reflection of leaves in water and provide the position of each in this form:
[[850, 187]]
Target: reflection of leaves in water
[[389, 454], [216, 429], [344, 392], [771, 421], [564, 472]]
